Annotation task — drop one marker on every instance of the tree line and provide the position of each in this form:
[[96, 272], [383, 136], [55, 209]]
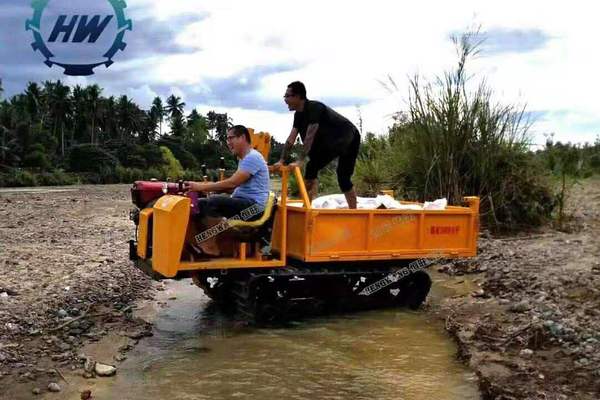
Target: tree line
[[53, 132]]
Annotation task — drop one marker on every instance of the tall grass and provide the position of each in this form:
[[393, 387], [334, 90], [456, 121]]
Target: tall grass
[[458, 142]]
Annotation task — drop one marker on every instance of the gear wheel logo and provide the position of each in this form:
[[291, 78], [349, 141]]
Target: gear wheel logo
[[90, 30]]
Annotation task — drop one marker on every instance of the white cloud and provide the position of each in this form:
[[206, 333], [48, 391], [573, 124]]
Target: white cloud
[[142, 95], [341, 49]]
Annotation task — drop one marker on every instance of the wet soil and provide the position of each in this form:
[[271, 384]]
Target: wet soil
[[532, 330]]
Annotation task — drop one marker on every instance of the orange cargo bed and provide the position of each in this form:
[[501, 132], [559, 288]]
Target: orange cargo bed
[[379, 234]]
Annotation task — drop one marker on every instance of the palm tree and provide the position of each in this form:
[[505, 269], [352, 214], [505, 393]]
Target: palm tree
[[79, 122], [93, 93], [59, 104], [109, 123], [4, 124], [157, 113], [175, 109], [33, 95], [130, 118], [175, 105]]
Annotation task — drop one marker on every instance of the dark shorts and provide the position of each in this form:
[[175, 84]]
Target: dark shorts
[[345, 152], [226, 206]]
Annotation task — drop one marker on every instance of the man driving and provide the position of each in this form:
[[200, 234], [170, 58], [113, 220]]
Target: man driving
[[250, 183]]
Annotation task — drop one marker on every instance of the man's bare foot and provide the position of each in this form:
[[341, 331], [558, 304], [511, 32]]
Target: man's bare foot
[[210, 247]]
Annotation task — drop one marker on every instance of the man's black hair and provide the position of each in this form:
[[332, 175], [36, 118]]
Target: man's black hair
[[298, 89], [239, 130]]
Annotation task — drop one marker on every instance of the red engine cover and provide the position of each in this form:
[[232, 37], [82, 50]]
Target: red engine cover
[[143, 192]]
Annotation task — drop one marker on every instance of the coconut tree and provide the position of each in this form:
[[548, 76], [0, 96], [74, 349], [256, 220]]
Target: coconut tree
[[129, 118], [93, 93], [157, 113], [175, 109], [59, 107]]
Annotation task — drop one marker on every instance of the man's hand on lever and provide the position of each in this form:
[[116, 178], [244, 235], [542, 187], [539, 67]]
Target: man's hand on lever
[[299, 163], [195, 186]]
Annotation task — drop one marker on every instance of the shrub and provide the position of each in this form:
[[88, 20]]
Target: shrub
[[90, 158], [172, 168], [128, 175], [18, 178], [153, 173], [37, 159]]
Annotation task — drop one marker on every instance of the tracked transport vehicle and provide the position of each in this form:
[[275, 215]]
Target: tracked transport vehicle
[[295, 259]]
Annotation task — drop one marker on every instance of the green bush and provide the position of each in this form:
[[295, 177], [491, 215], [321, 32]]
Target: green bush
[[91, 158], [153, 173], [153, 155], [132, 156], [192, 175], [37, 159], [172, 168], [18, 178], [128, 175]]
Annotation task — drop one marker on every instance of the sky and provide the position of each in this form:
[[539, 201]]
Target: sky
[[238, 56]]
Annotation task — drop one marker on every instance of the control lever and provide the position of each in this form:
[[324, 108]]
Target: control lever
[[204, 173], [222, 168]]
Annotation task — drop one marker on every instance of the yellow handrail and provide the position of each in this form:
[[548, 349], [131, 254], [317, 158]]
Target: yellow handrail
[[299, 180]]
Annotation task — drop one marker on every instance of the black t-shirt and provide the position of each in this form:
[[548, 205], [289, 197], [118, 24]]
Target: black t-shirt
[[334, 129]]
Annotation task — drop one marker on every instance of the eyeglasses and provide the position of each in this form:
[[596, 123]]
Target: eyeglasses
[[230, 137]]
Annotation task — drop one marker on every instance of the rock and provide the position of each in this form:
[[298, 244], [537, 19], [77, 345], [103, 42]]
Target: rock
[[53, 387], [86, 395], [3, 295], [583, 361], [526, 353], [120, 357], [12, 327], [556, 329], [105, 370], [61, 313], [36, 391], [519, 307], [89, 364], [63, 346]]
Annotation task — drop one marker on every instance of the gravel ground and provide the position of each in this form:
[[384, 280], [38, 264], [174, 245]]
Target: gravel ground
[[65, 280], [533, 330]]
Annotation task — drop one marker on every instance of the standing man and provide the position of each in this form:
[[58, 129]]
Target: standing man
[[326, 135]]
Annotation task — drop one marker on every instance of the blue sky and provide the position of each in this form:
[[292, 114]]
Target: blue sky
[[238, 56]]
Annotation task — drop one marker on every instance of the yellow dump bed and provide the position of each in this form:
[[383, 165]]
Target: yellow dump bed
[[379, 234]]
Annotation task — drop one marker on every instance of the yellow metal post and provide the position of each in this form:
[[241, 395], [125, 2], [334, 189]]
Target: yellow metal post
[[302, 187], [283, 208]]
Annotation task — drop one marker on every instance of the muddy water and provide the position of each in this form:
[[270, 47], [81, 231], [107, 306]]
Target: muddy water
[[197, 353]]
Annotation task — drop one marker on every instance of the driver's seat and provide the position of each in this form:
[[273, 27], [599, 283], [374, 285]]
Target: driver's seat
[[255, 231]]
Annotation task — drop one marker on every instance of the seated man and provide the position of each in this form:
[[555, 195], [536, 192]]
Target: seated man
[[250, 183]]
